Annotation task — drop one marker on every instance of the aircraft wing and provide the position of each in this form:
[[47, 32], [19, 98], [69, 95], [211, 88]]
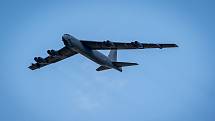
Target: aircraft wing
[[54, 56], [106, 45]]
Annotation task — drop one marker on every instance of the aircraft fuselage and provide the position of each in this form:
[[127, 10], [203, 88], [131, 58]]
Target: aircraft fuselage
[[94, 55]]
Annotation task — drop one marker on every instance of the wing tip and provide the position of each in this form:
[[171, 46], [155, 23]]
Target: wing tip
[[34, 66], [175, 45], [30, 67]]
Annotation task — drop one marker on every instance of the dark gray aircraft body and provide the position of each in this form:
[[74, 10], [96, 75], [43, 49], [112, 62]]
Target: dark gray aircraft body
[[89, 49]]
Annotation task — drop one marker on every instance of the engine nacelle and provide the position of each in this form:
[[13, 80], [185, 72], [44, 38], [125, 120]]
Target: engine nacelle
[[39, 60], [52, 52], [108, 43], [137, 44]]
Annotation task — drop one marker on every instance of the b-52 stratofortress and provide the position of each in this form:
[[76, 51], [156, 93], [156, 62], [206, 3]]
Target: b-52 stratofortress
[[89, 49]]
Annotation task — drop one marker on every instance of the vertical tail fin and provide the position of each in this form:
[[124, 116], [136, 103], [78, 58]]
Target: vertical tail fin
[[113, 55]]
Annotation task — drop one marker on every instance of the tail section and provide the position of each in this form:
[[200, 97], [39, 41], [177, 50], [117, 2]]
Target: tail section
[[123, 64], [116, 65], [102, 68], [113, 55]]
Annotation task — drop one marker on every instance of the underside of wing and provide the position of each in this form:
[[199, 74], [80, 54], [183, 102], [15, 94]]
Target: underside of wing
[[54, 56], [106, 45]]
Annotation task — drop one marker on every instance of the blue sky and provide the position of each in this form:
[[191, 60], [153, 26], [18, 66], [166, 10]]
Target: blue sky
[[168, 85]]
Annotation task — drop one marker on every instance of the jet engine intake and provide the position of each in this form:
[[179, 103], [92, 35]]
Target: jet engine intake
[[52, 52], [137, 44], [39, 60], [108, 43]]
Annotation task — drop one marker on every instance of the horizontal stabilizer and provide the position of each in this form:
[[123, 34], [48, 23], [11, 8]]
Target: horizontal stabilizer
[[101, 68], [122, 64]]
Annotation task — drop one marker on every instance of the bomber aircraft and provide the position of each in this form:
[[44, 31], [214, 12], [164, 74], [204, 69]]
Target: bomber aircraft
[[89, 49]]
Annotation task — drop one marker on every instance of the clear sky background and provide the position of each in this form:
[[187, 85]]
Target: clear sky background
[[168, 85]]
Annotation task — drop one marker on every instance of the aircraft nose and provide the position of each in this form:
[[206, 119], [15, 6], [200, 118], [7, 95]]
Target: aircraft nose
[[66, 37]]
